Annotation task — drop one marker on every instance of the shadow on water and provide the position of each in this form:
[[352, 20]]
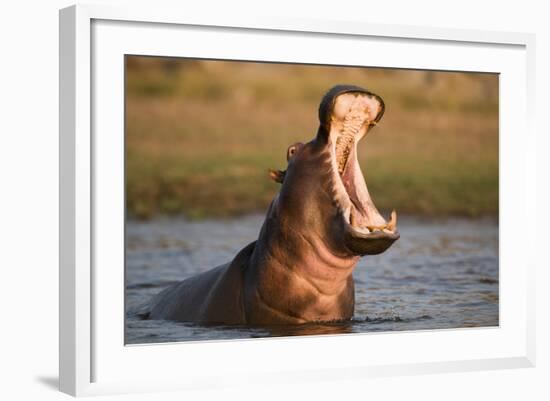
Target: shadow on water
[[306, 329], [311, 329]]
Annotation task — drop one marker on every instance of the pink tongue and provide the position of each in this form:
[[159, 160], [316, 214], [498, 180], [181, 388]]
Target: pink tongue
[[359, 215]]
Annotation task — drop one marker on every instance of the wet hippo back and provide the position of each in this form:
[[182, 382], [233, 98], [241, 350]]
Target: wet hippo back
[[214, 296]]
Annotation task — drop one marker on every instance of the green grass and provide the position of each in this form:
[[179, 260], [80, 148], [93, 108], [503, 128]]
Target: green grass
[[201, 136]]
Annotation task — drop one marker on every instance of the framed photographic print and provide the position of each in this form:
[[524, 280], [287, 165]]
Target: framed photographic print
[[237, 196]]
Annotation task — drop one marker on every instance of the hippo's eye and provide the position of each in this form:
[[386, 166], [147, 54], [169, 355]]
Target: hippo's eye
[[291, 152]]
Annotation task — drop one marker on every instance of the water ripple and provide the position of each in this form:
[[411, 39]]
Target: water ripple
[[440, 274]]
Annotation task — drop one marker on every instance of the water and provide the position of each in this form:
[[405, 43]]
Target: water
[[440, 274]]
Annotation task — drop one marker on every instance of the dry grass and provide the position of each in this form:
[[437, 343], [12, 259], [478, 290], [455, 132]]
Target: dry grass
[[200, 135]]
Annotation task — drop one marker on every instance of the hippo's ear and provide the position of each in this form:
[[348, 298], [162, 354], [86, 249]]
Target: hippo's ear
[[277, 175]]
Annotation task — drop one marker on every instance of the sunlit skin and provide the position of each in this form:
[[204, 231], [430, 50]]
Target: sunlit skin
[[316, 229]]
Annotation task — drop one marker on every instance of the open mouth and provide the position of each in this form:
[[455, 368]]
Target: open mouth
[[353, 114]]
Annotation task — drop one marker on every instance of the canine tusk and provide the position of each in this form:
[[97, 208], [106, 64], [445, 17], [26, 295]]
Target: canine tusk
[[393, 221]]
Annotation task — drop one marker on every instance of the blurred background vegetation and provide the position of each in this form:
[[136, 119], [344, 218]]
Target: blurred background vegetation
[[201, 135]]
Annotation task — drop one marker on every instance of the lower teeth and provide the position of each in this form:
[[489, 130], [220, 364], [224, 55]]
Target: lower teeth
[[389, 226]]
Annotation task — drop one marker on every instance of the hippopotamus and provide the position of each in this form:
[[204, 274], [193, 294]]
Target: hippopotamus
[[318, 226]]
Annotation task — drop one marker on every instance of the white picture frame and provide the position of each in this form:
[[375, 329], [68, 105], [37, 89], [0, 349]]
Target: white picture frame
[[94, 360]]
